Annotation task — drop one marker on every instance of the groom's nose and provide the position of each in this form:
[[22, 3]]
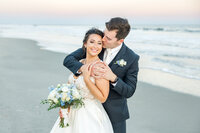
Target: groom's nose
[[104, 39]]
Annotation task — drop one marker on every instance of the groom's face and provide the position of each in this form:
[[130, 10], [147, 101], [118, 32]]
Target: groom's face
[[109, 39]]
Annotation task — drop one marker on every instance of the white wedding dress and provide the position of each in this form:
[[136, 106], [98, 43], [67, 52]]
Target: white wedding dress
[[91, 118]]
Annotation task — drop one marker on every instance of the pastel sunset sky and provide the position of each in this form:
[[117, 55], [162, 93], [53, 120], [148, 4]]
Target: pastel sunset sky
[[74, 11]]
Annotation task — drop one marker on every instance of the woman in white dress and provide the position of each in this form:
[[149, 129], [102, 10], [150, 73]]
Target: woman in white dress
[[92, 118]]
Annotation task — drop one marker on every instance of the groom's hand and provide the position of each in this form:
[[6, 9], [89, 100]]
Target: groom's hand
[[102, 70], [108, 74], [98, 69]]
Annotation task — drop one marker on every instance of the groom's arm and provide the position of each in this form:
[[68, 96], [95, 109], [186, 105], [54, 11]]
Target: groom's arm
[[72, 60], [127, 86]]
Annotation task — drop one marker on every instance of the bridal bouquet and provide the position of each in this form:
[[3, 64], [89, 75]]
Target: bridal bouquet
[[64, 96]]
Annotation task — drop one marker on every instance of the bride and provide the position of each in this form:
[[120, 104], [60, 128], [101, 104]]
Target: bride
[[92, 118]]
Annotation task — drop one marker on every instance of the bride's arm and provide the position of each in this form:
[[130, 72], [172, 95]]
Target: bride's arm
[[99, 90]]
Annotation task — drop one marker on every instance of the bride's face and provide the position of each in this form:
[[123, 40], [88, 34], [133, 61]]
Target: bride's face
[[94, 44]]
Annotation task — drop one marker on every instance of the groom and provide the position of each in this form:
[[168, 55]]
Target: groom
[[121, 71]]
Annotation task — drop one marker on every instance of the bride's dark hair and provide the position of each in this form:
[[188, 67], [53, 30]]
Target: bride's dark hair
[[90, 32]]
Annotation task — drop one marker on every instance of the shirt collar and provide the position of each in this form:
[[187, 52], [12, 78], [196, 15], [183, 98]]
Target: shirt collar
[[113, 50]]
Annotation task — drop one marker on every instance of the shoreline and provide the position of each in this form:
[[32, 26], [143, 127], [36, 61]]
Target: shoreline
[[27, 72]]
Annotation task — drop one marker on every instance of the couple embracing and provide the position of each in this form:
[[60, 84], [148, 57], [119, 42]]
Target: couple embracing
[[105, 71]]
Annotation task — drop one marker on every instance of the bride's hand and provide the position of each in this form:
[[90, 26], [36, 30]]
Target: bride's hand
[[86, 71], [60, 113]]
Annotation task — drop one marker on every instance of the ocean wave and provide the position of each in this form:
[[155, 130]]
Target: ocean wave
[[182, 56], [176, 63], [173, 72], [167, 29], [156, 29], [171, 62], [179, 68], [157, 53], [188, 30]]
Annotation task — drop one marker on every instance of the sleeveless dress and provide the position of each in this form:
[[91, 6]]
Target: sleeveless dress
[[91, 118]]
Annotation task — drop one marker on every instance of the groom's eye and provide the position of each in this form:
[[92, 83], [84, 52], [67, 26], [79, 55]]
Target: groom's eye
[[91, 41], [108, 38]]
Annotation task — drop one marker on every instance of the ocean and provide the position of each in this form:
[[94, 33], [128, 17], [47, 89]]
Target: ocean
[[173, 49]]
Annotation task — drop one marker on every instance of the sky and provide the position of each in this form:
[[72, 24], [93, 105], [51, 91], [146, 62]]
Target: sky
[[87, 11]]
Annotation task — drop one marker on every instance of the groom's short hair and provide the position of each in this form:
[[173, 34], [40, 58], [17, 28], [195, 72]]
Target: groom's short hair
[[121, 25]]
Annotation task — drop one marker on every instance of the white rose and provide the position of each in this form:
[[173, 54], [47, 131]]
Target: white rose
[[64, 97], [67, 85], [76, 95], [67, 98], [121, 62], [124, 63], [65, 89], [52, 95]]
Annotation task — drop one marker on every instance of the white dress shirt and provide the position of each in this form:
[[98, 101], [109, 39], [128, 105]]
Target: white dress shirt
[[109, 54]]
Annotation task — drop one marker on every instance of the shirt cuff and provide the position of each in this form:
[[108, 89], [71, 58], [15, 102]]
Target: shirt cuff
[[114, 84], [77, 73]]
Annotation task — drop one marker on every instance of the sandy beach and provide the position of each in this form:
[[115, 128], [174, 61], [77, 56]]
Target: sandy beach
[[27, 71]]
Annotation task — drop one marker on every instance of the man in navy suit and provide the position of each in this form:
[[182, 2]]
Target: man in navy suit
[[121, 70]]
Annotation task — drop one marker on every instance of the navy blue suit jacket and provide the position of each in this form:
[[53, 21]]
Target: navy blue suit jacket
[[116, 104]]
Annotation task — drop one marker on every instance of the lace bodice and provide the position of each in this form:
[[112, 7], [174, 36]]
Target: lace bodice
[[81, 86]]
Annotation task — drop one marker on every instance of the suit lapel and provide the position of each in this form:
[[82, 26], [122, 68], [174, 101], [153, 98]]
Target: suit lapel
[[119, 55]]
